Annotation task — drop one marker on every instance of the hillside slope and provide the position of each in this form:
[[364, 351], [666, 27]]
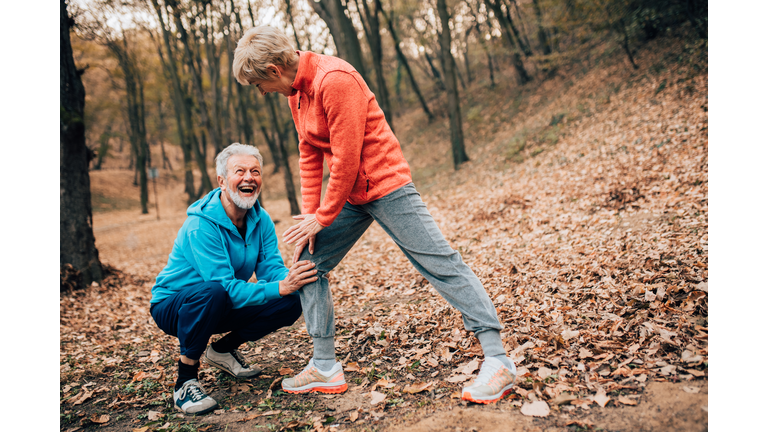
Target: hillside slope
[[584, 211]]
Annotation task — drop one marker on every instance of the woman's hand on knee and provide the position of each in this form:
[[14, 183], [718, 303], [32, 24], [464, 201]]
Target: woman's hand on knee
[[300, 274], [302, 234]]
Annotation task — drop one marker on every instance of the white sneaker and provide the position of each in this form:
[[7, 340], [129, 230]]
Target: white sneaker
[[311, 379], [493, 382], [191, 399], [232, 363]]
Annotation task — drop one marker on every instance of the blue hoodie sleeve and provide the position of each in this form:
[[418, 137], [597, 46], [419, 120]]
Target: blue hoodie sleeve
[[206, 252], [270, 266]]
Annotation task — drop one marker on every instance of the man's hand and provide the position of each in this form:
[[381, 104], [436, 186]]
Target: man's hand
[[302, 234], [300, 274]]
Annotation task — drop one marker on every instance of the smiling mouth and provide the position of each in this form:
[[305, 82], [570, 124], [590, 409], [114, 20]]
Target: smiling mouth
[[247, 189]]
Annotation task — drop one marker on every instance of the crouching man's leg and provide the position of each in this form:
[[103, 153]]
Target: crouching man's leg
[[250, 323], [192, 315]]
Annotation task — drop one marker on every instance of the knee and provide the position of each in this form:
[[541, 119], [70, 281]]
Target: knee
[[213, 291]]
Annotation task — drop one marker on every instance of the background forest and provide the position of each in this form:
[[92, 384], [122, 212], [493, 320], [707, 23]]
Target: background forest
[[160, 92], [561, 145]]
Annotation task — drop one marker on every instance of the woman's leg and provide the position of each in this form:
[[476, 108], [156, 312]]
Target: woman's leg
[[331, 245], [404, 216]]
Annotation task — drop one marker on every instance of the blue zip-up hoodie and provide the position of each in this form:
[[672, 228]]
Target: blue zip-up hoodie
[[209, 248]]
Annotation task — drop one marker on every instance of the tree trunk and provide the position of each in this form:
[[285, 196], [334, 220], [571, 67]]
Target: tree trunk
[[404, 61], [517, 62], [198, 89], [290, 189], [213, 56], [134, 91], [521, 41], [454, 110], [343, 32], [289, 11], [103, 145], [541, 34], [172, 75], [373, 35], [466, 54], [76, 242], [244, 101]]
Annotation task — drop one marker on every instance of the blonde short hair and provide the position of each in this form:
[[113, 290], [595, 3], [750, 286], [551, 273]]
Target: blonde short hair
[[259, 47]]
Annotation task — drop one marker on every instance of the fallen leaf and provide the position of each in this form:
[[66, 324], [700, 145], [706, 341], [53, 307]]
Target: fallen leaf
[[141, 429], [584, 424], [470, 368], [696, 373], [458, 378], [569, 334], [601, 398], [140, 376], [377, 397], [100, 419], [544, 372], [353, 416], [535, 409], [584, 353], [154, 415], [249, 417], [456, 395], [410, 292], [562, 398], [417, 387], [352, 367], [627, 401], [275, 384], [81, 397], [285, 371], [689, 389], [691, 357]]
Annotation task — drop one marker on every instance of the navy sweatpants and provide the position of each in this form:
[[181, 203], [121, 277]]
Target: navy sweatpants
[[197, 312]]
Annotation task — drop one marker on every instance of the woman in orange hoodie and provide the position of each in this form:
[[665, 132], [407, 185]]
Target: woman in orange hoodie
[[338, 120]]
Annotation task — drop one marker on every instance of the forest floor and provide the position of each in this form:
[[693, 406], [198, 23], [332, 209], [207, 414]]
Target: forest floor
[[584, 211]]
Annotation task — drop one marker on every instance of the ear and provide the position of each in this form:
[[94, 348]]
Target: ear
[[274, 71], [222, 182]]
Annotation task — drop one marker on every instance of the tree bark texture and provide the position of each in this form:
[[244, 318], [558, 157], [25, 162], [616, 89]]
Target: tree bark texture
[[76, 242], [454, 110], [343, 32]]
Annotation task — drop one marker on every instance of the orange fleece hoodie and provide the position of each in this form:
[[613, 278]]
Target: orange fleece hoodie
[[338, 119]]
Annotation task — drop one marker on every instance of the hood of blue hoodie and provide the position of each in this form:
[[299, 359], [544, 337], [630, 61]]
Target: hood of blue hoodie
[[211, 208]]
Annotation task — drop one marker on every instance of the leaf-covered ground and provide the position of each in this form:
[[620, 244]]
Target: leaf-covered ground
[[584, 212]]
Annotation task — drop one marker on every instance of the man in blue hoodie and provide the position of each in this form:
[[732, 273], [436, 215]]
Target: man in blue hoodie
[[204, 288]]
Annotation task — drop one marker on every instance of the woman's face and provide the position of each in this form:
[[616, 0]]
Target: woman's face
[[277, 82]]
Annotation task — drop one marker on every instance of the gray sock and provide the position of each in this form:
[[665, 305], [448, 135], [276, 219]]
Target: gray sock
[[324, 356], [490, 340]]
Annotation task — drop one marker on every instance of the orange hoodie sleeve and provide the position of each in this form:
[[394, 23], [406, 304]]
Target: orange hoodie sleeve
[[346, 108]]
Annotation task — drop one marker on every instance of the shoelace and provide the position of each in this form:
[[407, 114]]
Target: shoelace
[[194, 391], [486, 373], [240, 359]]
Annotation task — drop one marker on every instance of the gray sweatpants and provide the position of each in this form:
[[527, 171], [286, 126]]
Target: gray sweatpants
[[404, 217]]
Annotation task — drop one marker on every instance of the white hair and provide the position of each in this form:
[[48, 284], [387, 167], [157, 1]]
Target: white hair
[[233, 150]]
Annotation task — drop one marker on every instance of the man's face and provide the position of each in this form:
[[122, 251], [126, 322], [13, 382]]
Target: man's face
[[243, 182]]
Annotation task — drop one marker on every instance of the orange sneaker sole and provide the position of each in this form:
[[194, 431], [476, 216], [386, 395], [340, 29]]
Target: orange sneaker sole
[[467, 397], [330, 390]]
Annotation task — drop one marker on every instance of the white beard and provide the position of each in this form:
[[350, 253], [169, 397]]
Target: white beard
[[243, 203]]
